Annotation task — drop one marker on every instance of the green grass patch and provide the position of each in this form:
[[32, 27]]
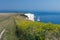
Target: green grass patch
[[29, 30]]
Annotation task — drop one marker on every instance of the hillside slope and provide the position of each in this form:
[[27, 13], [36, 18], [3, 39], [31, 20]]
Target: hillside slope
[[29, 30]]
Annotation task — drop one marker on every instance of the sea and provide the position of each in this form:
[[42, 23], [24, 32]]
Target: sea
[[47, 17]]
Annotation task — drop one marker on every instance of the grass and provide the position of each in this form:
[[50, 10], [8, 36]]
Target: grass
[[9, 25], [29, 30]]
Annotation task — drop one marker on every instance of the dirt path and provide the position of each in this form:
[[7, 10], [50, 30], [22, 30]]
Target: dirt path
[[2, 34]]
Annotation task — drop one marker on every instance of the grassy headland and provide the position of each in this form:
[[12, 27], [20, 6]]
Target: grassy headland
[[18, 28], [29, 30]]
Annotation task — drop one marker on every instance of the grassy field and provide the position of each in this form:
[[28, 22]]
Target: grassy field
[[18, 28], [29, 30], [7, 22]]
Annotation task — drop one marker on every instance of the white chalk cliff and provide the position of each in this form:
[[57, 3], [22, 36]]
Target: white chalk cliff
[[30, 16]]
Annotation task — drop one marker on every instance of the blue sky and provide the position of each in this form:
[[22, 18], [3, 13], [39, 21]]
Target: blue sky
[[42, 5]]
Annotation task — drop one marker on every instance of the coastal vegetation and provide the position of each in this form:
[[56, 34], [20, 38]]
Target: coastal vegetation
[[19, 28], [7, 24], [33, 30]]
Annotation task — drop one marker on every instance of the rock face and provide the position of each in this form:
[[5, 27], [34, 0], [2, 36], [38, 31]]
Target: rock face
[[30, 16]]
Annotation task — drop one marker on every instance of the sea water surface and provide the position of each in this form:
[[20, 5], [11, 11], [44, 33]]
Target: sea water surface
[[48, 18]]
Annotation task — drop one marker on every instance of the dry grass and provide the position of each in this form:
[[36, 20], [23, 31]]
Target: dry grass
[[8, 24]]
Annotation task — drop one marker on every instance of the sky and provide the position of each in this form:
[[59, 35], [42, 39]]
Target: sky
[[41, 5]]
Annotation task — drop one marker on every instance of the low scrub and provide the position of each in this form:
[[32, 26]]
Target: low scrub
[[29, 30]]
